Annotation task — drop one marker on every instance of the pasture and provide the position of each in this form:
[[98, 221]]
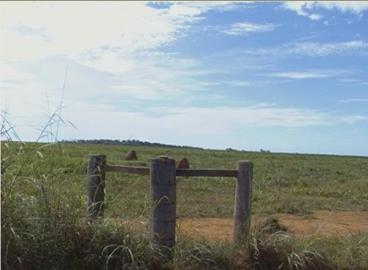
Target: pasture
[[43, 210]]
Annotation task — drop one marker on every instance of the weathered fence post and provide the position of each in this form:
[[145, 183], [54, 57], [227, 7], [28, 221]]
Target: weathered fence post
[[242, 208], [163, 203], [96, 169]]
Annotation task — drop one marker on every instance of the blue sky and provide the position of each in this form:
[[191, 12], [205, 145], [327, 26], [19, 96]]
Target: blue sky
[[282, 76]]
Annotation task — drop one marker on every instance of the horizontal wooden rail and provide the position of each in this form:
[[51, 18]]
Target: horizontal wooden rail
[[207, 172], [128, 169], [179, 172]]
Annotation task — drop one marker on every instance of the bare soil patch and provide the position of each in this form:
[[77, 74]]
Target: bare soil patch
[[320, 223]]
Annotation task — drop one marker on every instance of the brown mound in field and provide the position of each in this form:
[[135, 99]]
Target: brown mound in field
[[132, 155], [183, 164]]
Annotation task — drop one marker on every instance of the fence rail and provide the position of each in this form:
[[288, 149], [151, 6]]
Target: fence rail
[[162, 173], [179, 172], [128, 169], [207, 173]]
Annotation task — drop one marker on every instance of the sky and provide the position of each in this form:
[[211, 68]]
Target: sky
[[278, 76]]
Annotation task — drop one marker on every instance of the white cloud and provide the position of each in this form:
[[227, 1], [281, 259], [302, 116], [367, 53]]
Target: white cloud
[[33, 30], [299, 75], [307, 8], [161, 124], [10, 73], [224, 82], [74, 28], [349, 80], [28, 106], [322, 49], [166, 123], [256, 115], [154, 123], [353, 100], [315, 17], [300, 8], [17, 88], [119, 38], [313, 74], [155, 76], [205, 6], [314, 48], [238, 83], [353, 119], [344, 6], [244, 28]]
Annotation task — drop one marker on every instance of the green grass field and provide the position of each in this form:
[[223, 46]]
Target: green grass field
[[43, 206]]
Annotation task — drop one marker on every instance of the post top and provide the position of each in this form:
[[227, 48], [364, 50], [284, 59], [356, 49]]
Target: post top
[[97, 156], [162, 158], [245, 162]]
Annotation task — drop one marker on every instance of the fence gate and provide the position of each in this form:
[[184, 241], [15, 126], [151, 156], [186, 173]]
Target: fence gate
[[162, 172]]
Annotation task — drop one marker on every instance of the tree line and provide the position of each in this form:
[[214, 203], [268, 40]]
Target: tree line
[[126, 142]]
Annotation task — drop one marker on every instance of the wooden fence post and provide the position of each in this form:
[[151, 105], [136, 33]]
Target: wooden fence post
[[96, 169], [242, 208], [163, 203]]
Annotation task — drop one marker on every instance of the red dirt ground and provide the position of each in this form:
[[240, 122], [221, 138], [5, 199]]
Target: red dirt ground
[[320, 223]]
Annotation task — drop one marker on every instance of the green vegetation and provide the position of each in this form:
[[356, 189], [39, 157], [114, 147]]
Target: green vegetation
[[43, 206]]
